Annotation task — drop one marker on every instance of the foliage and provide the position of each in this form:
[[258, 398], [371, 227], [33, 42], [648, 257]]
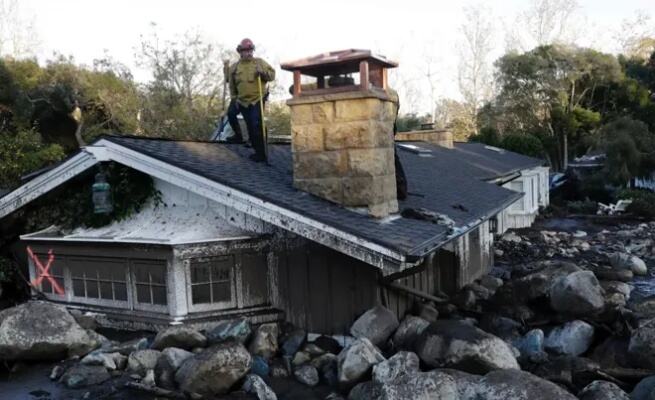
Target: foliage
[[71, 205], [23, 152], [411, 122], [630, 150], [526, 144], [643, 202], [182, 99], [278, 119], [487, 135]]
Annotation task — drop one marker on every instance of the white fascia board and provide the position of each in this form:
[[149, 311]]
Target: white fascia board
[[46, 182], [301, 225]]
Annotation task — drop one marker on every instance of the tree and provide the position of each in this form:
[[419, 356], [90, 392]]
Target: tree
[[181, 100], [474, 74], [543, 22], [630, 150], [636, 36], [455, 116], [18, 37], [552, 92]]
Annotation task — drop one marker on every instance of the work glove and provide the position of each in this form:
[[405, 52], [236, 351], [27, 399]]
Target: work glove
[[259, 71]]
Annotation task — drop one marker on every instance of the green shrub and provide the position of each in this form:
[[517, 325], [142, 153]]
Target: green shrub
[[643, 202]]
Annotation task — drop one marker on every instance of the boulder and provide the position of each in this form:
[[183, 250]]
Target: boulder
[[453, 344], [141, 361], [169, 362], [572, 338], [467, 384], [400, 364], [571, 371], [428, 313], [264, 342], [277, 369], [641, 349], [81, 375], [629, 262], [644, 390], [111, 361], [355, 362], [255, 385], [537, 284], [408, 331], [328, 344], [313, 350], [602, 390], [612, 353], [531, 346], [214, 370], [260, 366], [433, 385], [578, 293], [491, 282], [182, 337], [376, 324], [301, 358], [307, 375], [40, 330], [126, 348], [503, 327], [624, 275], [518, 385], [293, 342], [235, 329]]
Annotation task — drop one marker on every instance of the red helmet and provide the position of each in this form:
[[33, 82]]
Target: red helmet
[[246, 44]]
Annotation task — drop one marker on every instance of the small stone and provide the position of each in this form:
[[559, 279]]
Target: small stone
[[491, 282], [300, 358], [572, 338], [428, 313], [149, 379], [260, 366], [293, 342], [328, 344], [237, 329], [278, 369], [57, 372], [602, 390], [142, 360], [264, 342], [307, 375], [84, 375], [182, 337], [255, 385], [531, 346], [313, 350]]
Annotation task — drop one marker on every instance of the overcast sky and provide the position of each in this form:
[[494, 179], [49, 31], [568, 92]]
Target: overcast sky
[[404, 30]]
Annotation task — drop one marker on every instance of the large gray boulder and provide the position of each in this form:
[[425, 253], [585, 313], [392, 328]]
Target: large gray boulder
[[141, 361], [519, 385], [433, 385], [355, 362], [81, 375], [400, 364], [40, 330], [182, 337], [641, 349], [454, 344], [215, 370], [376, 324], [577, 294], [169, 362], [537, 284], [622, 261], [572, 338], [645, 389], [408, 331], [234, 329], [264, 342], [602, 390]]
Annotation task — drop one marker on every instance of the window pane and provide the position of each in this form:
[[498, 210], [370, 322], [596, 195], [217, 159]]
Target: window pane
[[158, 274], [46, 287], [78, 287], [104, 271], [60, 282], [91, 289], [56, 270], [77, 270], [221, 292], [200, 294], [118, 274], [200, 273], [105, 291], [141, 273], [120, 291], [221, 271], [143, 294], [159, 295]]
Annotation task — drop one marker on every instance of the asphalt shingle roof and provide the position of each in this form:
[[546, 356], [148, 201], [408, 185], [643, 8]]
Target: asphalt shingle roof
[[435, 183]]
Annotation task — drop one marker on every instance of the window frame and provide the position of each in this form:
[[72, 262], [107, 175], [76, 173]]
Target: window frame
[[234, 278], [97, 301], [136, 305]]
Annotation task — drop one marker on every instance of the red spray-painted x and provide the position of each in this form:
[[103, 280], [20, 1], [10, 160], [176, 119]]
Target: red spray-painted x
[[44, 272]]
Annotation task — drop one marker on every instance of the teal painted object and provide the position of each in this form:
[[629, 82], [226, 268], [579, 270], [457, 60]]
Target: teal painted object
[[102, 203]]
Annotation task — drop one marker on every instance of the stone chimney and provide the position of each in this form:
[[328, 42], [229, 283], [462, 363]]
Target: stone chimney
[[342, 135]]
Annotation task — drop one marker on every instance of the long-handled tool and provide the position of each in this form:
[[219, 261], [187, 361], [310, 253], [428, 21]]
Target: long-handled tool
[[261, 110]]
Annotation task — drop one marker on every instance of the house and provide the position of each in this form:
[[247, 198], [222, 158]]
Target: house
[[316, 237]]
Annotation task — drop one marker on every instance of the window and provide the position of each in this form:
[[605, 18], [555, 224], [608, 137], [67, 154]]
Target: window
[[211, 280], [150, 282], [56, 271], [519, 204], [97, 279]]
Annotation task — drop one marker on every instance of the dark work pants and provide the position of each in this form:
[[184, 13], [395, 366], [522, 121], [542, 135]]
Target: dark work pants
[[253, 118]]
